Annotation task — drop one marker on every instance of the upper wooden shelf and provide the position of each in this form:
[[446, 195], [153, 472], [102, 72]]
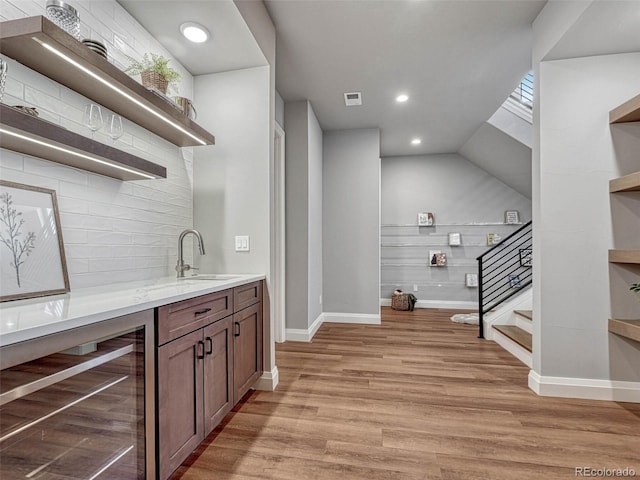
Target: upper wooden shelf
[[625, 328], [624, 256], [628, 183], [26, 134], [627, 112], [44, 47]]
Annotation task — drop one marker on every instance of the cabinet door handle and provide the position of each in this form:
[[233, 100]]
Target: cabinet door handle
[[202, 312], [237, 332], [210, 342], [200, 344]]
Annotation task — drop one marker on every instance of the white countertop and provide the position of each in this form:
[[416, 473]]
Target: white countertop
[[23, 320]]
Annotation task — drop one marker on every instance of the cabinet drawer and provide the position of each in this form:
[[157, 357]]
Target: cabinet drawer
[[246, 295], [178, 319]]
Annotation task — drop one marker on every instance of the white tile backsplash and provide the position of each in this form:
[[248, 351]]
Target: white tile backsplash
[[112, 230]]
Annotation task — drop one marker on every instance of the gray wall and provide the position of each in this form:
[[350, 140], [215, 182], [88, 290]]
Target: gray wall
[[303, 214], [351, 221], [463, 197], [315, 216], [279, 110], [579, 220], [231, 188]]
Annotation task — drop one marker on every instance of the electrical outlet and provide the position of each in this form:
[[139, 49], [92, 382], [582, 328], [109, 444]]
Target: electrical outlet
[[415, 287], [242, 243]]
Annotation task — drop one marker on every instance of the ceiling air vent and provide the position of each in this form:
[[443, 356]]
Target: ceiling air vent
[[353, 99]]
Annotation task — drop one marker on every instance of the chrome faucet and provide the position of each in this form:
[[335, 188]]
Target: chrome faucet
[[181, 267]]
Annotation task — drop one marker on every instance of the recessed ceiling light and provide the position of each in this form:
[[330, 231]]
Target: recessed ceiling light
[[194, 32], [416, 141], [402, 98]]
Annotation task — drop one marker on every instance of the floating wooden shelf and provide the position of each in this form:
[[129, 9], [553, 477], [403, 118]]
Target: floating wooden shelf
[[44, 47], [627, 112], [628, 183], [26, 134], [625, 328], [624, 256]]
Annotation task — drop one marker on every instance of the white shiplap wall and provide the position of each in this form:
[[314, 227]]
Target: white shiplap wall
[[113, 231]]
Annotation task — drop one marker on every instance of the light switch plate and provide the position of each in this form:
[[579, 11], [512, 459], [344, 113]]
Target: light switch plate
[[242, 243]]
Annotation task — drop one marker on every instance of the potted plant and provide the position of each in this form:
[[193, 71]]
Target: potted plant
[[154, 70], [635, 287]]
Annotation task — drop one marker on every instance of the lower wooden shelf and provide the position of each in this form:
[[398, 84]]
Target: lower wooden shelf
[[26, 134], [625, 328], [624, 256]]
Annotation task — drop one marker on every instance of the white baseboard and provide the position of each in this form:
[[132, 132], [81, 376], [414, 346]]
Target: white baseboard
[[304, 335], [452, 305], [510, 346], [361, 318], [268, 381], [585, 388]]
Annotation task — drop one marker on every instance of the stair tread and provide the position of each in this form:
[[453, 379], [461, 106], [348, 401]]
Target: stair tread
[[524, 313], [518, 335]]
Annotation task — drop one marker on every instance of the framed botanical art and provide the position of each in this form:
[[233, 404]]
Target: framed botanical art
[[426, 219], [32, 260]]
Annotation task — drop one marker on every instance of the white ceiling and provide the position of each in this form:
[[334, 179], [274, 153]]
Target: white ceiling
[[231, 48], [606, 27], [458, 60]]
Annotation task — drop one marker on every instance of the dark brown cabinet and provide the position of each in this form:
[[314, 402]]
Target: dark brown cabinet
[[180, 426], [218, 373], [247, 349], [209, 355]]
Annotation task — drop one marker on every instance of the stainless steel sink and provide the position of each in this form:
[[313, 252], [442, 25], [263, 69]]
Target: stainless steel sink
[[212, 276]]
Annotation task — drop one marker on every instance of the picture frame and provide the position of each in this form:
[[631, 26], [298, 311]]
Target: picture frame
[[426, 219], [514, 280], [493, 239], [433, 257], [32, 258], [526, 257], [512, 217], [471, 280], [455, 239]]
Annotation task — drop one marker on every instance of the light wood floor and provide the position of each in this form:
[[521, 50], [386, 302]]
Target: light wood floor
[[419, 397]]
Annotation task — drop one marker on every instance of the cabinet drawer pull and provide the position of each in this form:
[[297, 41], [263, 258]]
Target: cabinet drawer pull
[[202, 312], [237, 332], [200, 343], [210, 342]]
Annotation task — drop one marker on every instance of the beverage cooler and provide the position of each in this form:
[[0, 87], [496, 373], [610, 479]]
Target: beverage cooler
[[79, 404]]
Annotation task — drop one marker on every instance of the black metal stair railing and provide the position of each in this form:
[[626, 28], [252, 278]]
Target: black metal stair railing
[[504, 270]]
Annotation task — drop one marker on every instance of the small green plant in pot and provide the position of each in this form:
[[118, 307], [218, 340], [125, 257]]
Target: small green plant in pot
[[635, 287], [155, 71]]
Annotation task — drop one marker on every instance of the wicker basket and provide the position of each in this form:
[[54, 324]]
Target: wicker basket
[[400, 302], [151, 79]]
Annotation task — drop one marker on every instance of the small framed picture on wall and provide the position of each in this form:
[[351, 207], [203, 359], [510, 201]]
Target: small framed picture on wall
[[426, 219], [526, 257], [512, 217], [455, 239], [471, 280]]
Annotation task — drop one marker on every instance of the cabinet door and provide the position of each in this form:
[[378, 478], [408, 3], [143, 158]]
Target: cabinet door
[[247, 349], [180, 426], [218, 373]]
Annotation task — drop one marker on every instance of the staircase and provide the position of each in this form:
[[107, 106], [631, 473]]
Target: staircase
[[516, 337]]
